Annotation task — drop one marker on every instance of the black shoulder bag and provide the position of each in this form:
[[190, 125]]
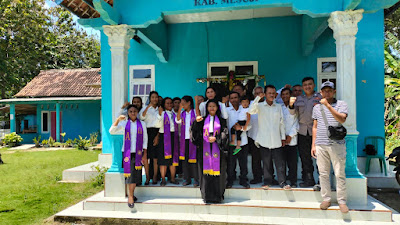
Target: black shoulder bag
[[334, 133]]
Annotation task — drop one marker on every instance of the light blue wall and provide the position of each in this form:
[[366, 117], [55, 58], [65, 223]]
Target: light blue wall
[[274, 42], [370, 68]]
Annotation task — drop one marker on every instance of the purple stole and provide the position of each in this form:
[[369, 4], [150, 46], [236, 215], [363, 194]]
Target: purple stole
[[127, 147], [211, 154], [175, 159], [192, 147], [167, 138]]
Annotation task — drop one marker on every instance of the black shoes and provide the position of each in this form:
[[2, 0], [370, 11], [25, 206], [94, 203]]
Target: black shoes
[[245, 184], [229, 185], [255, 181]]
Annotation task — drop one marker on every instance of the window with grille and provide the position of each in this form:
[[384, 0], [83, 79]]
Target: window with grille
[[141, 80], [327, 70]]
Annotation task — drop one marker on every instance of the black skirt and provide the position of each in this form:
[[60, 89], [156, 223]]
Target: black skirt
[[162, 161], [136, 175], [152, 150]]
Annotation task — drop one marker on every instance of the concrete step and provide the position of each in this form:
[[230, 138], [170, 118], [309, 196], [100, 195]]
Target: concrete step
[[232, 206], [87, 171], [237, 192], [192, 210], [80, 173]]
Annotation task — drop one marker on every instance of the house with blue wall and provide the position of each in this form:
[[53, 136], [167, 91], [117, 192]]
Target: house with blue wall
[[57, 101], [182, 46]]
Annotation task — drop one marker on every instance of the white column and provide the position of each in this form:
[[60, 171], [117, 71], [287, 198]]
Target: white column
[[344, 26], [119, 37]]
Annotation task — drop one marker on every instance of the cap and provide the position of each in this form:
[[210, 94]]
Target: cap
[[327, 84]]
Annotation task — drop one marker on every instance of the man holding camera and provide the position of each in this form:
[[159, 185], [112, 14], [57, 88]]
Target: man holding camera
[[328, 144]]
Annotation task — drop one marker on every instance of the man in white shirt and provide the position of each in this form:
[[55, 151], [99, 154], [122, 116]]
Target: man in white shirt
[[271, 136], [241, 156], [291, 130]]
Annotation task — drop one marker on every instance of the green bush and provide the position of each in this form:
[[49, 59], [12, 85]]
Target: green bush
[[57, 144], [45, 142], [392, 142], [68, 143], [37, 141], [51, 142], [12, 139], [83, 143], [94, 138], [98, 181]]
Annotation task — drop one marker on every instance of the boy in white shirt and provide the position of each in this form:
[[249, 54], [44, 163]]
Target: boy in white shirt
[[244, 120]]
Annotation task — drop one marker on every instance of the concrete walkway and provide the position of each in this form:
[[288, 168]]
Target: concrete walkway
[[23, 147]]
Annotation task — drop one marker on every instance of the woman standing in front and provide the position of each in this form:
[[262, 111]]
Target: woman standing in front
[[150, 116], [169, 140], [210, 133], [134, 150]]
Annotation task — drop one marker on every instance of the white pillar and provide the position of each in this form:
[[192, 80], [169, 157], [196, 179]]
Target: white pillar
[[119, 37], [344, 26]]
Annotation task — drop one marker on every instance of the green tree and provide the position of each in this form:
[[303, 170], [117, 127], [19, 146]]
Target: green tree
[[34, 38], [392, 83]]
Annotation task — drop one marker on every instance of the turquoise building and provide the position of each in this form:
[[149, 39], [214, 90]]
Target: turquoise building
[[178, 47], [57, 101]]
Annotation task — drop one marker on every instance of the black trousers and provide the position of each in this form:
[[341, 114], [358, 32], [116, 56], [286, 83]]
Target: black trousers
[[189, 169], [290, 153], [278, 158], [304, 144], [256, 167], [241, 157]]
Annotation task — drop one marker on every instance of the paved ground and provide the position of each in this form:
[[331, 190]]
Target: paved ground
[[391, 197]]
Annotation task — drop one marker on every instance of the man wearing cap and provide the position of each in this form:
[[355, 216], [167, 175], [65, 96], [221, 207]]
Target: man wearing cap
[[303, 107], [326, 150]]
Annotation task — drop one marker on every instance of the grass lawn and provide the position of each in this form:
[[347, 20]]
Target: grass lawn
[[29, 191]]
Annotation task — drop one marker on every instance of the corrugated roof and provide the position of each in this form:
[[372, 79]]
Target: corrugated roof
[[64, 83], [82, 8]]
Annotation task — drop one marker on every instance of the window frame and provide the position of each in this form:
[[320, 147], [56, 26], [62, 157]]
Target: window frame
[[139, 81], [231, 65], [48, 122], [326, 75]]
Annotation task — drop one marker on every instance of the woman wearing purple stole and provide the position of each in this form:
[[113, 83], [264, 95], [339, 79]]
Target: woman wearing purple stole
[[134, 149], [168, 137], [187, 149], [210, 133]]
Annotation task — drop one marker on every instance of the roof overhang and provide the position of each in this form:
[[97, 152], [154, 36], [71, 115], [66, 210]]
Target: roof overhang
[[47, 100]]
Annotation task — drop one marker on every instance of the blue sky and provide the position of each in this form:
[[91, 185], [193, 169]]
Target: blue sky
[[89, 31]]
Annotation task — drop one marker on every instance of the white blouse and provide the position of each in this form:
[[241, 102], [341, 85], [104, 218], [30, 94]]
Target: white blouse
[[222, 107], [187, 120], [161, 121], [120, 129], [151, 118]]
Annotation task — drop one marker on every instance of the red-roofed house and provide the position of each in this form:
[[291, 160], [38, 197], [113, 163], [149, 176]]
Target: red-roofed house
[[57, 101]]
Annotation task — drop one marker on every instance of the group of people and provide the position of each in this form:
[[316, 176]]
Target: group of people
[[204, 138]]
